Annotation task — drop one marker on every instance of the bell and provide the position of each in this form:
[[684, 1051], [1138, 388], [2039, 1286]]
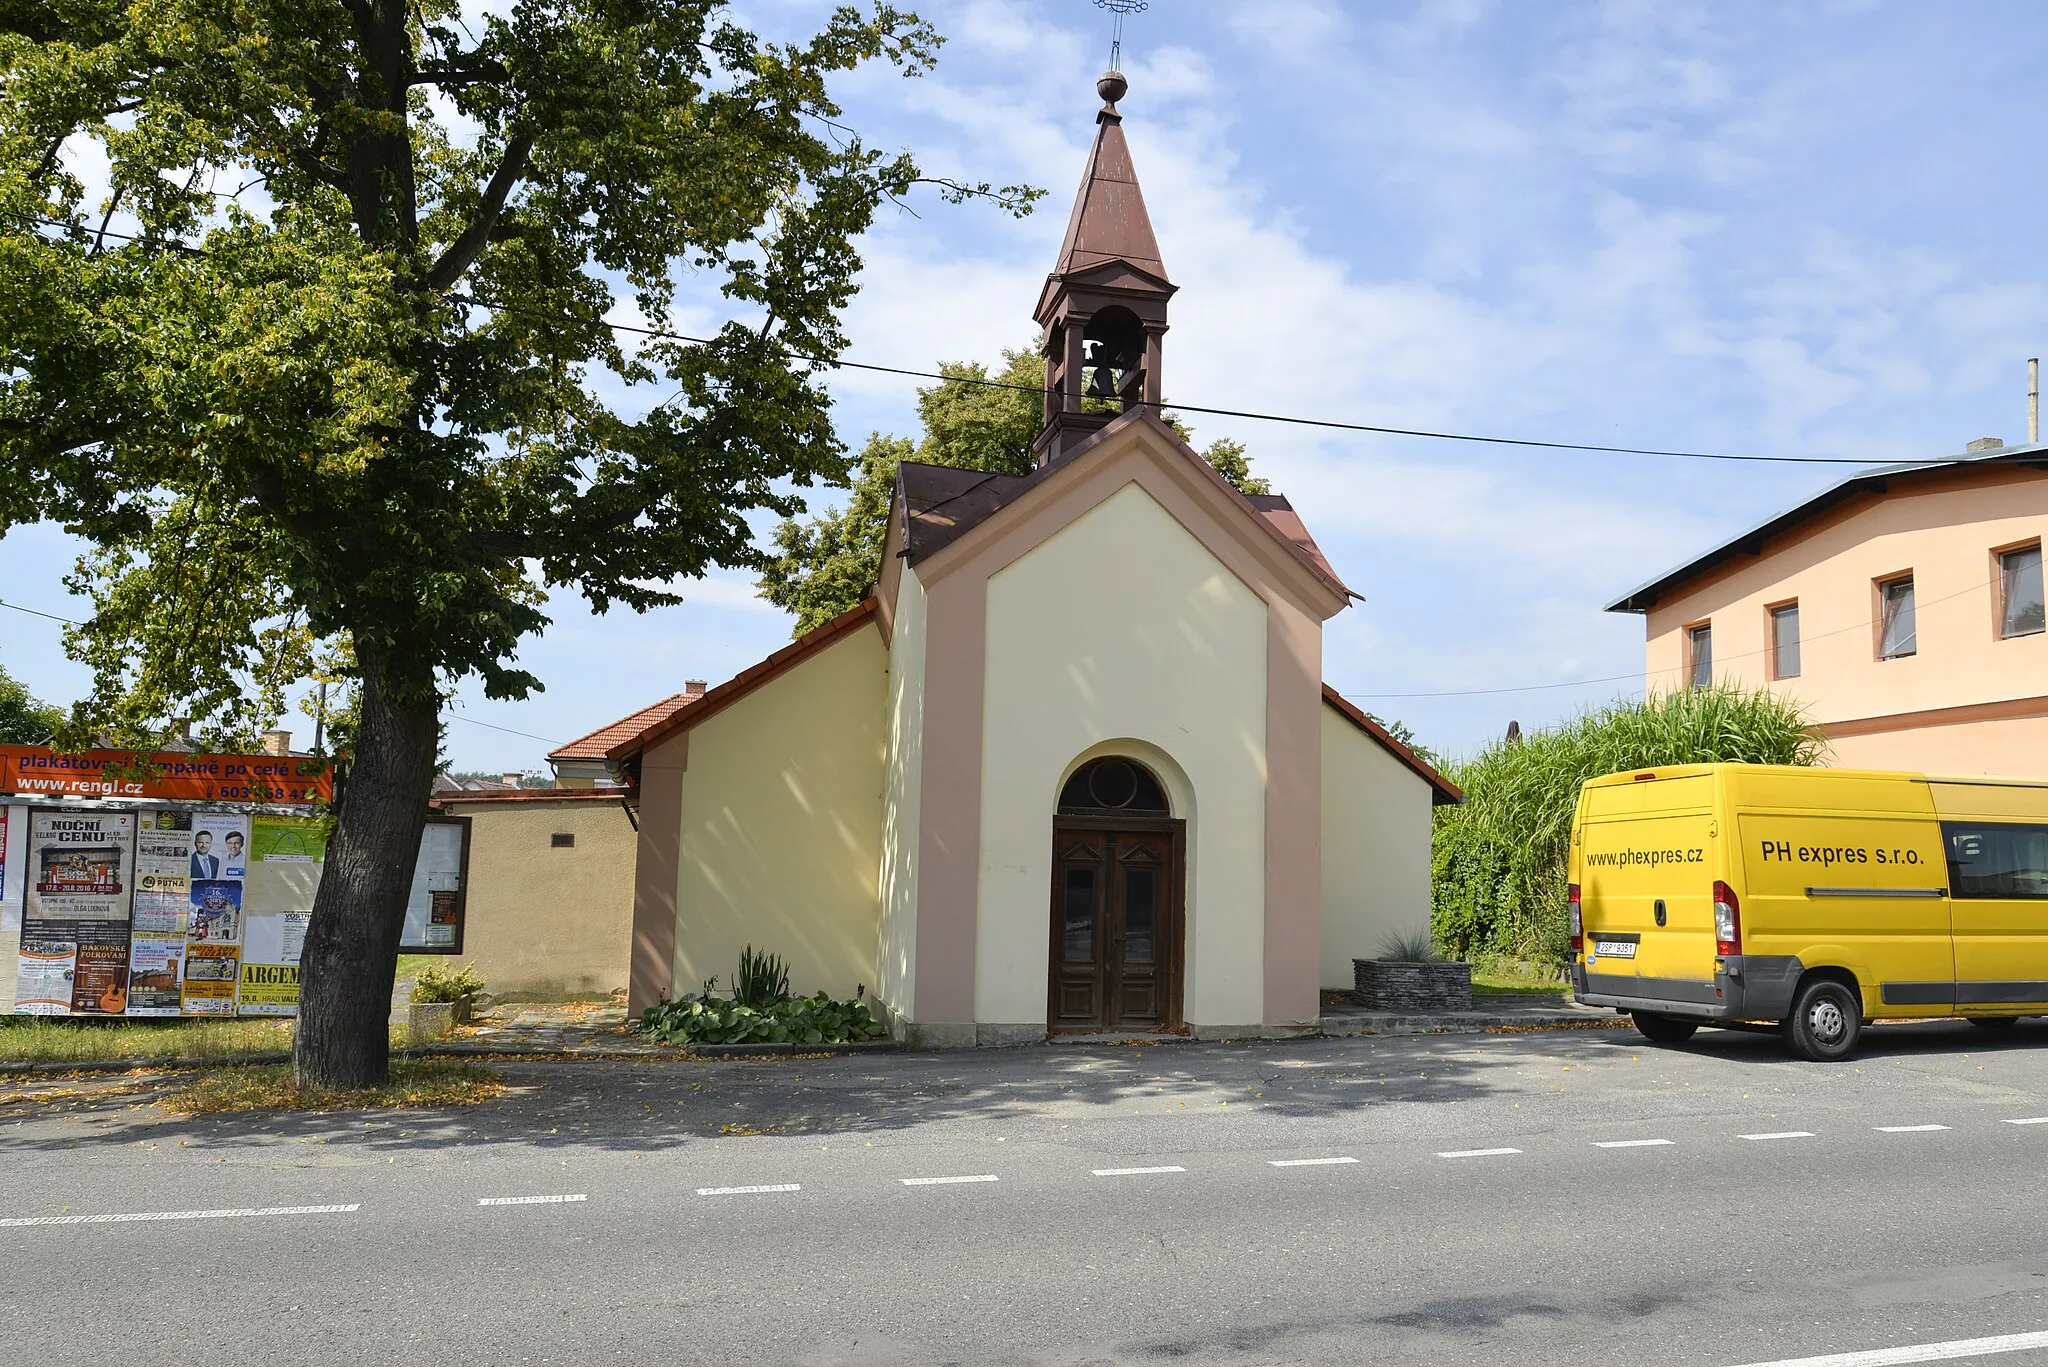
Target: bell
[[1101, 383]]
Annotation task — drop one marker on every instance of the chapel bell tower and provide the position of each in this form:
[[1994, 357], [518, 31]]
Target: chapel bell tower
[[1103, 309]]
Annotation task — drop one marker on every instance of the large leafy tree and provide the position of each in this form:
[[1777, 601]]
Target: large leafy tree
[[23, 719], [972, 419], [321, 372]]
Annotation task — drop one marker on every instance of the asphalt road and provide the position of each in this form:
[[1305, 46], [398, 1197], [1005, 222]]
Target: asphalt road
[[1271, 1203]]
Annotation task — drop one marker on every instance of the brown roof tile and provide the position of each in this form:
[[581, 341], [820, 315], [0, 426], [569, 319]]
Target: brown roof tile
[[943, 503], [599, 743]]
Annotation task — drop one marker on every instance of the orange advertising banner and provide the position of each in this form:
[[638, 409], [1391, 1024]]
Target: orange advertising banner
[[34, 771]]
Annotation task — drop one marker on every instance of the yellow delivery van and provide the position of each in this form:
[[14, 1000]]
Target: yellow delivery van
[[1809, 899]]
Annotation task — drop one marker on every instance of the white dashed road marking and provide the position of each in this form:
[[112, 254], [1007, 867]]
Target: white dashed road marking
[[529, 1200], [1629, 1143], [1477, 1153], [1908, 1129], [1306, 1162], [1779, 1134], [946, 1181], [1133, 1172], [244, 1214], [1919, 1352], [2030, 1120], [749, 1191]]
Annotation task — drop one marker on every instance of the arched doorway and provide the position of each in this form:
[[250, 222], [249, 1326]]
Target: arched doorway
[[1118, 903]]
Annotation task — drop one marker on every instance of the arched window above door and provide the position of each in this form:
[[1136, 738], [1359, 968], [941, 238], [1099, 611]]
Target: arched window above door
[[1113, 784]]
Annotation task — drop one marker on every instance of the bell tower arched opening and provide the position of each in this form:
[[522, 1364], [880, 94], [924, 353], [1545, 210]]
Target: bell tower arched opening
[[1119, 902]]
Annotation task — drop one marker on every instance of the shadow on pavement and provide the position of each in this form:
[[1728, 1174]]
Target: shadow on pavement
[[651, 1106]]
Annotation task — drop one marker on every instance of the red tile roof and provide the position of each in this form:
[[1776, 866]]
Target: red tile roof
[[534, 795], [600, 742]]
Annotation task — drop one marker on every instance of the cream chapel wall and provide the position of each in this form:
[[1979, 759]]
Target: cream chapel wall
[[782, 825], [896, 966], [1174, 657], [1376, 836], [548, 921]]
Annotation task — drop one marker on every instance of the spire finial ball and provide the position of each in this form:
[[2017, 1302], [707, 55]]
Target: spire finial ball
[[1112, 86]]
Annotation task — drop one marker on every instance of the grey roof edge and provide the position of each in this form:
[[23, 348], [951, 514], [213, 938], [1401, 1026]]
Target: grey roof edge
[[1645, 595]]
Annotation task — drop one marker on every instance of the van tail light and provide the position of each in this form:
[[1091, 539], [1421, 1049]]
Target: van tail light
[[1571, 899], [1727, 920]]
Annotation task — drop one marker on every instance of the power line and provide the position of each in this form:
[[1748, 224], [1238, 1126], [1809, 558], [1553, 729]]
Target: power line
[[34, 613], [546, 740], [1331, 423], [1379, 429]]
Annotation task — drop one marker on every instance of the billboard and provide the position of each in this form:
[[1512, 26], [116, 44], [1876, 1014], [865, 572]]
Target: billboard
[[291, 780], [181, 912]]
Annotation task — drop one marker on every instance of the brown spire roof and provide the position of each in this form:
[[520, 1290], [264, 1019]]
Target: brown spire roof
[[1109, 221]]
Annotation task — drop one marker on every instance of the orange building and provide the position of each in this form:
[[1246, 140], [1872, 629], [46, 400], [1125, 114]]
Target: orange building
[[1902, 609]]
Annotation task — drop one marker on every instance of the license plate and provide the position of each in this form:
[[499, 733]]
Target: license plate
[[1615, 949]]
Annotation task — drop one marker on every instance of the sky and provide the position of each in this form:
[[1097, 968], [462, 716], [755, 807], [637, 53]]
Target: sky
[[1754, 228]]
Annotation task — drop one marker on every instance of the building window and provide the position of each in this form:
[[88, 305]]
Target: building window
[[1895, 634], [2019, 579], [1699, 656], [563, 840], [1785, 641]]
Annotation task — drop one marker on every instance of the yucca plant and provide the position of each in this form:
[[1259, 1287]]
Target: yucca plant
[[762, 980], [1409, 947], [1498, 861]]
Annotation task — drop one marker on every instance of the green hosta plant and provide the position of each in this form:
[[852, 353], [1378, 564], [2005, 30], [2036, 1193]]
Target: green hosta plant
[[695, 1019]]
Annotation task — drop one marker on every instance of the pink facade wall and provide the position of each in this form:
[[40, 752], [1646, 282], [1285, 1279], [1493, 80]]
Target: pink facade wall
[[1946, 530]]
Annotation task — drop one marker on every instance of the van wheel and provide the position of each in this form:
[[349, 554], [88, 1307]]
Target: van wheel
[[1994, 1022], [1826, 1018], [1661, 1029]]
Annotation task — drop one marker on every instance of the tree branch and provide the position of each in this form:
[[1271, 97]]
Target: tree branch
[[266, 486], [464, 250]]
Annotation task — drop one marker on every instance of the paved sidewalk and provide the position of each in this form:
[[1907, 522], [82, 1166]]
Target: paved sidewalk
[[600, 1028]]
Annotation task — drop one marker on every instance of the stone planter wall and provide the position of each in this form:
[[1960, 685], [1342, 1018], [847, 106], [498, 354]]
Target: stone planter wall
[[430, 1021], [1389, 985]]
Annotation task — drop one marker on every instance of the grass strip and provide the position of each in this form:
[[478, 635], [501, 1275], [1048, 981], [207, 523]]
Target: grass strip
[[268, 1087], [37, 1039]]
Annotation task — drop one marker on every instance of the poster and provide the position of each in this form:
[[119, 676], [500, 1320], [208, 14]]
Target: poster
[[216, 912], [160, 913], [270, 990], [272, 944], [99, 977], [220, 845], [42, 982], [210, 974], [10, 918], [79, 872], [154, 968]]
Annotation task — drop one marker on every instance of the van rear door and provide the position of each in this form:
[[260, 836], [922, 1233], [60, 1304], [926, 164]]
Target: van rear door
[[1646, 893]]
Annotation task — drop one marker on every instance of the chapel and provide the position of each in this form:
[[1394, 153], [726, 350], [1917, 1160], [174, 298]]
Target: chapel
[[1070, 768]]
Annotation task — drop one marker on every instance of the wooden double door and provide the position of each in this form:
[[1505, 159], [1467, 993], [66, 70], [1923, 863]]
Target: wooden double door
[[1117, 924]]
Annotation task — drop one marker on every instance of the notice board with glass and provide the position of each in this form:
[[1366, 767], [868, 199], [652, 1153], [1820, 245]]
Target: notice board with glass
[[174, 911]]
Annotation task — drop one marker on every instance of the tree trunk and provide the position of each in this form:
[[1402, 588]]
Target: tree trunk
[[351, 951]]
